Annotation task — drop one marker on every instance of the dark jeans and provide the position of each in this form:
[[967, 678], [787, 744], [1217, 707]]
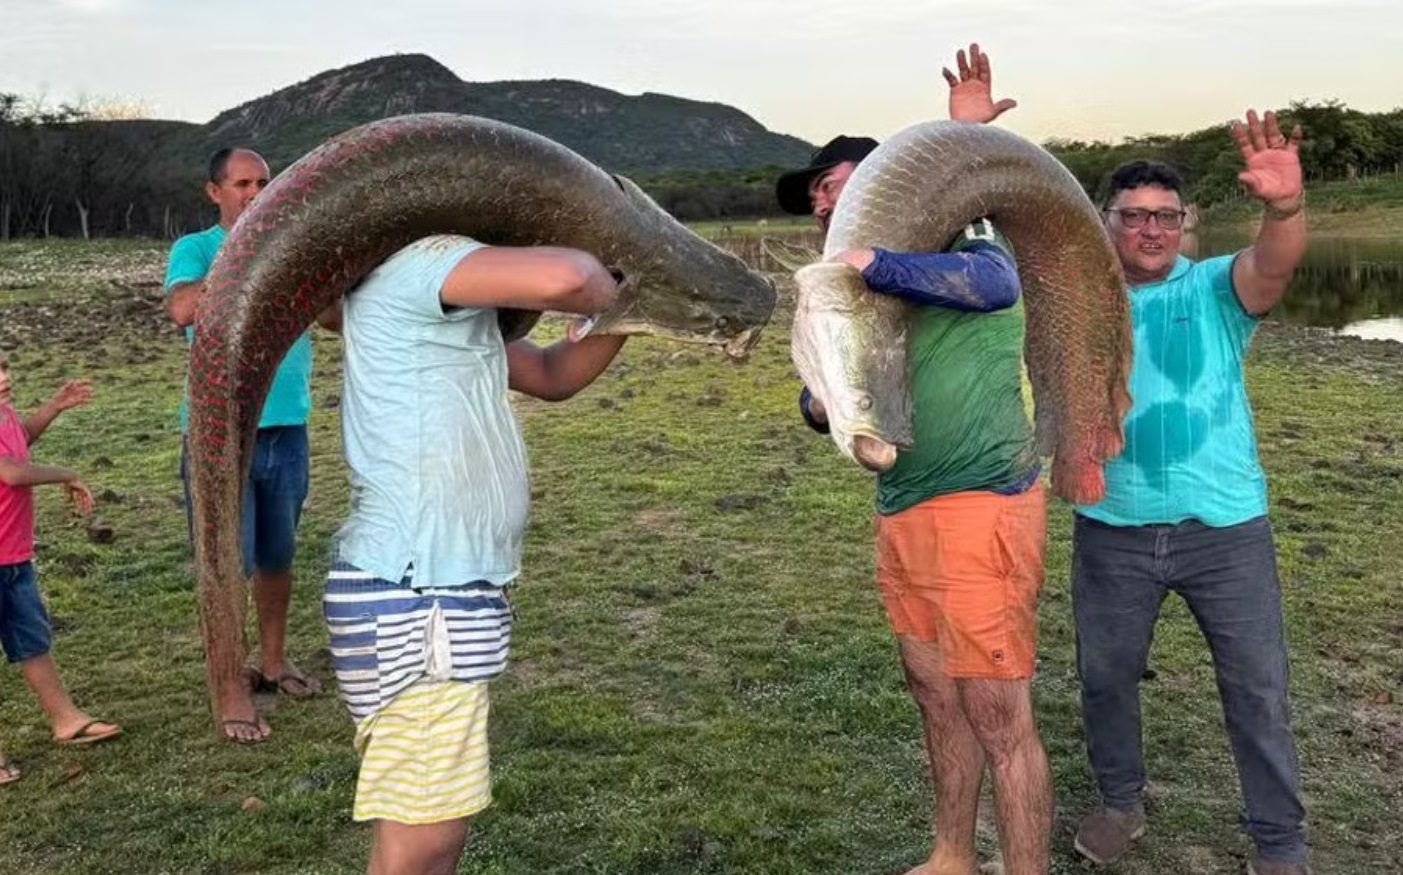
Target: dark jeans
[[1120, 577], [273, 497]]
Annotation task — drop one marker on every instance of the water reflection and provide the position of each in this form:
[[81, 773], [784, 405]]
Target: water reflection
[[1354, 286]]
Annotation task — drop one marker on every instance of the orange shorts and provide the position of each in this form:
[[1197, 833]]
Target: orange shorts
[[963, 571]]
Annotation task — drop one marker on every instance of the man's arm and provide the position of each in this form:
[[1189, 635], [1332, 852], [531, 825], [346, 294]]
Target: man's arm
[[558, 371], [16, 473], [530, 278], [1262, 271], [182, 300], [74, 393], [541, 278], [979, 279]]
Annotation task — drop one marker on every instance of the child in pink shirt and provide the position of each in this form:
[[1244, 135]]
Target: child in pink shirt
[[24, 624]]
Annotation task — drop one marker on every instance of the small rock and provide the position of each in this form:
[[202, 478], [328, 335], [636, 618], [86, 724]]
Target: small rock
[[1383, 697], [110, 496], [607, 403], [252, 803], [100, 533], [791, 626], [102, 463]]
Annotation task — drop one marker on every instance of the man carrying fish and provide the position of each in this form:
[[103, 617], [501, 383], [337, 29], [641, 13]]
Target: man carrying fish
[[1186, 502], [277, 484], [415, 601], [960, 514]]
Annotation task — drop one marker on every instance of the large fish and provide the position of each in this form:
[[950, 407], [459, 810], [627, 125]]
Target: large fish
[[323, 224], [915, 193]]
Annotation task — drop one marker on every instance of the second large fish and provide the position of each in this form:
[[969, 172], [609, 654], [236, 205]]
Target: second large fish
[[914, 194]]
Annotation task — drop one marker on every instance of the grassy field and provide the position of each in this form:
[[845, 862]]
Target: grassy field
[[702, 679], [1370, 208]]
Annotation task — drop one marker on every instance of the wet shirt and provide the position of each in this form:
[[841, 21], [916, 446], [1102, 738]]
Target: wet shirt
[[437, 463], [289, 398], [16, 502], [1190, 447]]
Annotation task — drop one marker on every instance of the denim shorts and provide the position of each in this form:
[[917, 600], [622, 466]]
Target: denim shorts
[[24, 624], [273, 497]]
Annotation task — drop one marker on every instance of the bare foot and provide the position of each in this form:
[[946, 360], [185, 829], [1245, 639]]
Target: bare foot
[[946, 867], [239, 720]]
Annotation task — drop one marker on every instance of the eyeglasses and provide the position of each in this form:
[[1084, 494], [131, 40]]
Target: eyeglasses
[[1136, 217]]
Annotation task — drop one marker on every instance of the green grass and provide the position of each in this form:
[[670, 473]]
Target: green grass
[[702, 679]]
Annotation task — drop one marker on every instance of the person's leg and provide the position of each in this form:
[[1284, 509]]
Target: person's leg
[[417, 849], [424, 771], [1116, 597], [1228, 577], [990, 616], [1001, 714], [956, 759], [279, 484], [907, 556], [27, 640]]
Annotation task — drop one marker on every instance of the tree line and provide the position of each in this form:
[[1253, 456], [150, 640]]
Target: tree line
[[89, 171]]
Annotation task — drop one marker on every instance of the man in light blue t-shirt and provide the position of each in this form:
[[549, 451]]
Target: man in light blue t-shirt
[[1186, 502], [277, 484]]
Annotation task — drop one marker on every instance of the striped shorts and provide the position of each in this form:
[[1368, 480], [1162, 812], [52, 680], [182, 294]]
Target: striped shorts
[[412, 667]]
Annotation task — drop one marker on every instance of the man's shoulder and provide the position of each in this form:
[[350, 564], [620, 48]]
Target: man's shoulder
[[209, 238], [980, 231]]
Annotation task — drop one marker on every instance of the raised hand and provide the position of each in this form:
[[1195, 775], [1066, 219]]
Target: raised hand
[[1273, 173], [74, 393], [971, 95]]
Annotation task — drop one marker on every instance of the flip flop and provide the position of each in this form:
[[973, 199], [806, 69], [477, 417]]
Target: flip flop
[[302, 690], [83, 736], [258, 725], [8, 773]]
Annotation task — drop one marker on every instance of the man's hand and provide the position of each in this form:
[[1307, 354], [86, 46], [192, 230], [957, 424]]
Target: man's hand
[[858, 258], [971, 97], [74, 393], [1273, 173], [81, 496]]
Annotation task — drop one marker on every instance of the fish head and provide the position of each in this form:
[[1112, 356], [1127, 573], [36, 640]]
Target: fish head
[[849, 348], [677, 285]]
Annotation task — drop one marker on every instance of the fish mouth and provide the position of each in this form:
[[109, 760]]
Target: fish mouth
[[738, 348], [873, 453]]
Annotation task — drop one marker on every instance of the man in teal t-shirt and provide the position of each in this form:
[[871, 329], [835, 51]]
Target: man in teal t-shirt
[[277, 484], [1185, 506]]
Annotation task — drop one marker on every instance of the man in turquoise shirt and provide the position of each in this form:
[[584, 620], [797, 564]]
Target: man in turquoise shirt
[[278, 480], [1185, 506]]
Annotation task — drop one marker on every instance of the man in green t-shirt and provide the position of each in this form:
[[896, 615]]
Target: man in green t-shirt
[[960, 516]]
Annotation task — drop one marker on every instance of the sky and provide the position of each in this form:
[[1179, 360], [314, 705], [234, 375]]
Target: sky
[[1082, 69]]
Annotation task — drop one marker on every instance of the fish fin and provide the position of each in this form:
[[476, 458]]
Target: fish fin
[[790, 256], [1078, 479]]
